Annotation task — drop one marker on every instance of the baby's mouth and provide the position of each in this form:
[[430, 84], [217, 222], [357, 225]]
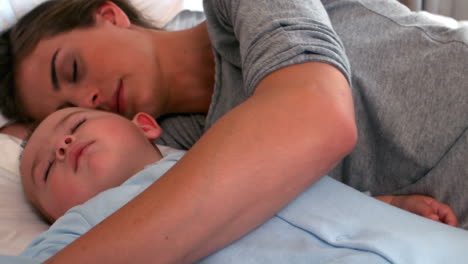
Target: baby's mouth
[[77, 152]]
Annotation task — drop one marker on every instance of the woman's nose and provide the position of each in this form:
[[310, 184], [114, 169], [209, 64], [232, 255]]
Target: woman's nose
[[86, 97], [63, 146], [92, 99]]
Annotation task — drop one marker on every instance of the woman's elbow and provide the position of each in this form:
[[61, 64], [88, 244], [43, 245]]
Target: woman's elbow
[[348, 136], [345, 134], [335, 126], [342, 123]]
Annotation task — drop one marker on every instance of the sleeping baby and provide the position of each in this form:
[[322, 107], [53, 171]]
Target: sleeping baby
[[81, 165]]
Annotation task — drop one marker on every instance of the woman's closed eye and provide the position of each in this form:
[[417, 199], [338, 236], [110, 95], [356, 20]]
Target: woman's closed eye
[[75, 71]]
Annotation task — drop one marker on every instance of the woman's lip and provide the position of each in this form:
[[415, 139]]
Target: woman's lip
[[77, 152]]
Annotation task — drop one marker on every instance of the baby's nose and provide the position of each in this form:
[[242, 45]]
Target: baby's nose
[[63, 146]]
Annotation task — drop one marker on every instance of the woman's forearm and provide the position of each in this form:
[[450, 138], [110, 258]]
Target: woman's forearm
[[250, 164]]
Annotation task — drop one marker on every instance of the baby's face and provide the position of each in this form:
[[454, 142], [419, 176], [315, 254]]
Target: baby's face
[[76, 153]]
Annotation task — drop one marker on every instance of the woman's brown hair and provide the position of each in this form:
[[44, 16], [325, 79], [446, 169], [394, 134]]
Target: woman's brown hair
[[47, 20]]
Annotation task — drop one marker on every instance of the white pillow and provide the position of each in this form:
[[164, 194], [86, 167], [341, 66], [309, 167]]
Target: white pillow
[[160, 11], [19, 223], [3, 120]]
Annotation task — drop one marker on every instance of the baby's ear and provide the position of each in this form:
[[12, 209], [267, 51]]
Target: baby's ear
[[148, 125]]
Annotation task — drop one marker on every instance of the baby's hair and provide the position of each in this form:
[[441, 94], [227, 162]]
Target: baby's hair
[[47, 20]]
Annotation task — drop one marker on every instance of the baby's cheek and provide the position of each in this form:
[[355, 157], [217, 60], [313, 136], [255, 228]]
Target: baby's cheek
[[106, 172], [67, 194]]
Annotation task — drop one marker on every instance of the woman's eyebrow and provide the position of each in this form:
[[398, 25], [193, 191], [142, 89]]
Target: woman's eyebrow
[[53, 72]]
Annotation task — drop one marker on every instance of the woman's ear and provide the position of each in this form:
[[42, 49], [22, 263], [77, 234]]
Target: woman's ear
[[148, 125], [108, 11]]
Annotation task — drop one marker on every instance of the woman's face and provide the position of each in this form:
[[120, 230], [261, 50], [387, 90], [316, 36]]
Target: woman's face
[[110, 66]]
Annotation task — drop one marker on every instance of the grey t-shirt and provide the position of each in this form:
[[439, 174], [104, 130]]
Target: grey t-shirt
[[409, 83], [250, 40], [254, 38], [410, 87]]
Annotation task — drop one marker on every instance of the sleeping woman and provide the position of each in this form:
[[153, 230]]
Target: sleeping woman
[[279, 104]]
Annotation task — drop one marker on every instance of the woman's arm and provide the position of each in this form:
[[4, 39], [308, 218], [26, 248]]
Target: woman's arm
[[243, 170]]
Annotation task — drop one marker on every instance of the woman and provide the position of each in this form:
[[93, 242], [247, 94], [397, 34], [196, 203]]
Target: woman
[[260, 47]]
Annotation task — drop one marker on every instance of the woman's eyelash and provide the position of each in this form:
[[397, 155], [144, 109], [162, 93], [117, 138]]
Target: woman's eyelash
[[78, 124], [75, 70]]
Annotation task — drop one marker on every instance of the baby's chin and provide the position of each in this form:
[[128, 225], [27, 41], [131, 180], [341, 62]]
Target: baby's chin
[[48, 215]]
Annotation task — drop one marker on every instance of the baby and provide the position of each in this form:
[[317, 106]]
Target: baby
[[76, 154]]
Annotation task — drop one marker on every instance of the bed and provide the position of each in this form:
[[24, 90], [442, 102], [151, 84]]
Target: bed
[[20, 223]]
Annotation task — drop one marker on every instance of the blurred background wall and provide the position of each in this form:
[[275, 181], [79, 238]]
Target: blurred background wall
[[457, 9]]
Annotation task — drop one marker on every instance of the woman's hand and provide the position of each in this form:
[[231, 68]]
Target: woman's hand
[[424, 206]]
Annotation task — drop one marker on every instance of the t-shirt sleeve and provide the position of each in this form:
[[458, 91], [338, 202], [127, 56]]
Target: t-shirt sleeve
[[275, 33]]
